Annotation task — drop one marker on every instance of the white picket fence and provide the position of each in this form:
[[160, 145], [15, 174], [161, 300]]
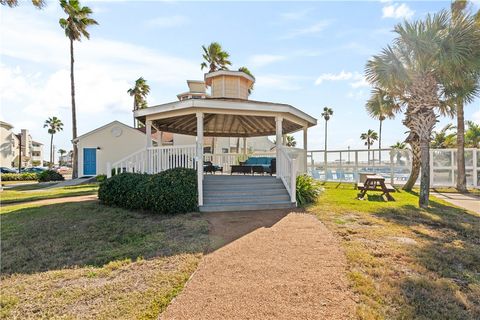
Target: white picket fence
[[393, 164]]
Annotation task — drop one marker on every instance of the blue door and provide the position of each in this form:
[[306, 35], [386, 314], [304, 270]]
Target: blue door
[[89, 161]]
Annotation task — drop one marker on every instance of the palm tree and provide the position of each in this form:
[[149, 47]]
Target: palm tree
[[415, 69], [215, 58], [75, 26], [245, 69], [54, 125], [62, 152], [326, 114], [291, 141], [381, 106], [443, 138], [465, 83], [13, 3], [369, 137], [397, 149], [472, 135], [139, 93]]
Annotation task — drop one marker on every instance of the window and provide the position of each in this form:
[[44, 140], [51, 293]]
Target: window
[[224, 150], [207, 150]]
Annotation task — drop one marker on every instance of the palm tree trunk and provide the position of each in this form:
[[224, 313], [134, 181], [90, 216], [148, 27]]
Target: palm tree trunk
[[325, 153], [461, 176], [415, 146], [380, 143], [51, 151], [74, 115], [423, 199]]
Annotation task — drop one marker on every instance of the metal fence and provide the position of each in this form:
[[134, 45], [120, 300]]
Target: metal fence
[[393, 164]]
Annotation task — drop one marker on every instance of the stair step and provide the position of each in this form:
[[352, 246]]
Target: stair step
[[243, 199], [245, 192], [243, 186], [246, 206]]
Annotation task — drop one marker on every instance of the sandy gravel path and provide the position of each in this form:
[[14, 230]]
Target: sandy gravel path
[[90, 197], [291, 268]]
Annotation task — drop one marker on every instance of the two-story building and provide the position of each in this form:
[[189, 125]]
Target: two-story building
[[18, 147]]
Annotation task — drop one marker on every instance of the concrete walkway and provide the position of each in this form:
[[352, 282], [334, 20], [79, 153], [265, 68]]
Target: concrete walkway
[[291, 269], [466, 201]]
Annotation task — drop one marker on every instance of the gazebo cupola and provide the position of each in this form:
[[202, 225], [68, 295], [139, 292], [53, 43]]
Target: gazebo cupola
[[229, 84]]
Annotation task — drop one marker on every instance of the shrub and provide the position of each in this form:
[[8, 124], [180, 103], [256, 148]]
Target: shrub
[[50, 175], [169, 192], [101, 178], [26, 176], [308, 190]]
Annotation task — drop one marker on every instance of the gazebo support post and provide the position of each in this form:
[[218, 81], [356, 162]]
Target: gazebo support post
[[305, 145], [278, 141], [148, 134], [200, 157]]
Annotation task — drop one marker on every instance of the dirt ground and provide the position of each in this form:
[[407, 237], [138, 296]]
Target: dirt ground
[[269, 265]]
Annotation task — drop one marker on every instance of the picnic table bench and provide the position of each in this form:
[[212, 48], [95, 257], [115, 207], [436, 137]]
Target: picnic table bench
[[375, 183]]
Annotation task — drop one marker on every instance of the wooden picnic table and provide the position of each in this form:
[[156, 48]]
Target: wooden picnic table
[[375, 183]]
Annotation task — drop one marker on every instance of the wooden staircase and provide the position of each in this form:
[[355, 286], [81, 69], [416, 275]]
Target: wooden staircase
[[242, 193]]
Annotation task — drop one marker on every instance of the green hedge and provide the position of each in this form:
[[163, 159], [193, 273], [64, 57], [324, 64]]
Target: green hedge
[[30, 176], [169, 192], [50, 175], [308, 190]]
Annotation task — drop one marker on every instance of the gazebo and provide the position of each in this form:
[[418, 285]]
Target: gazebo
[[226, 113]]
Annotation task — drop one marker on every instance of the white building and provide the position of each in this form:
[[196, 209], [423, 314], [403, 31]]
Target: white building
[[15, 146]]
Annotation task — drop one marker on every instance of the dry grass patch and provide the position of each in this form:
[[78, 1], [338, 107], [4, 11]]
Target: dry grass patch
[[88, 261], [405, 262]]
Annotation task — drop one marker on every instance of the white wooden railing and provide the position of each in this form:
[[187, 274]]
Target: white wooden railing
[[155, 160], [287, 171]]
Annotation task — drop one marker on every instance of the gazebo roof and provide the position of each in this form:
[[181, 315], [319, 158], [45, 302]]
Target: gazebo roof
[[225, 117]]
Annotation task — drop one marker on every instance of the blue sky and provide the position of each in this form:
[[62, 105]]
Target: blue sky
[[308, 54]]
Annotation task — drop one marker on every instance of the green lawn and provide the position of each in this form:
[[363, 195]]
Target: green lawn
[[405, 262], [106, 263], [38, 192]]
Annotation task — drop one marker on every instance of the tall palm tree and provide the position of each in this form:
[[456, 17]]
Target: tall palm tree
[[75, 26], [397, 149], [381, 106], [326, 114], [472, 135], [444, 138], [369, 137], [245, 69], [291, 141], [54, 125], [139, 93], [415, 69], [62, 152], [465, 82], [13, 3], [215, 58]]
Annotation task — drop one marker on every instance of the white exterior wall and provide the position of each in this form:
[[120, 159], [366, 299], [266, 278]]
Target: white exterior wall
[[182, 139], [112, 147]]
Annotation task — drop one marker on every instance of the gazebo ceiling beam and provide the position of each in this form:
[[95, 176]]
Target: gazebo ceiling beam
[[245, 123]]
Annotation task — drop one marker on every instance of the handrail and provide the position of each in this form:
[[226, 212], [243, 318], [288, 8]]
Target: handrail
[[287, 171]]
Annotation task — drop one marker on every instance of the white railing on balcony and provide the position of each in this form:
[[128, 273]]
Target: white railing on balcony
[[287, 171], [393, 164], [155, 160]]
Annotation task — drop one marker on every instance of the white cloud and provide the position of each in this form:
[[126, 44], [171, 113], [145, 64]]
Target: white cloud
[[476, 116], [312, 29], [295, 15], [168, 22], [397, 11], [260, 60], [333, 77], [275, 81]]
